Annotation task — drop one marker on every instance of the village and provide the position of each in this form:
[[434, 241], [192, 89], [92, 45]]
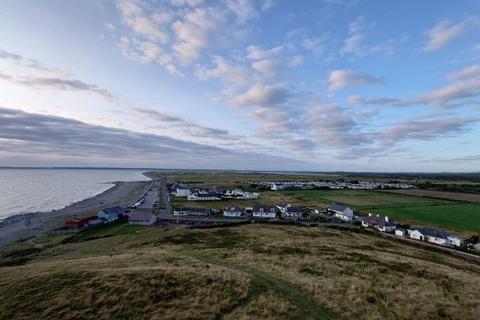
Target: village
[[155, 209]]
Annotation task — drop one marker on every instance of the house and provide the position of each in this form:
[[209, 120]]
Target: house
[[77, 223], [432, 235], [292, 212], [143, 217], [455, 241], [110, 214], [400, 232], [240, 194], [341, 211], [283, 206], [191, 212], [378, 222], [182, 192], [264, 212], [207, 196], [233, 212]]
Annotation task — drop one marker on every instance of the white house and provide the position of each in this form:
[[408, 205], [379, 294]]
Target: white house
[[110, 214], [292, 212], [208, 196], [264, 212], [182, 192], [400, 232], [142, 218], [378, 222], [341, 211], [431, 235], [233, 212], [454, 241]]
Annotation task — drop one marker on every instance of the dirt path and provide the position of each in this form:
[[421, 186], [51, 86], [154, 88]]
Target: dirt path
[[263, 282]]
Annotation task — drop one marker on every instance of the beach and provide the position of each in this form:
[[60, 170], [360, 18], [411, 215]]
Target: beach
[[28, 225]]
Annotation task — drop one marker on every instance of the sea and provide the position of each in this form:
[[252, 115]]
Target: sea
[[39, 190]]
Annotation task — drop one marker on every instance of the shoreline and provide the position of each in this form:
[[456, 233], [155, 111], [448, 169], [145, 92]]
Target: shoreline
[[24, 226]]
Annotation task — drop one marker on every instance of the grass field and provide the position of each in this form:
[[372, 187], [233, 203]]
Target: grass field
[[251, 271]]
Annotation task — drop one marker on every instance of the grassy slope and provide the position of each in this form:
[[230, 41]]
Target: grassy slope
[[253, 271]]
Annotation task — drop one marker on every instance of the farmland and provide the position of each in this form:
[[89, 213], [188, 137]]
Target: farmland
[[251, 271]]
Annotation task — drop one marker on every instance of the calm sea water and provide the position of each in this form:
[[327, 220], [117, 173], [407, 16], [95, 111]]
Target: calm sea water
[[31, 190]]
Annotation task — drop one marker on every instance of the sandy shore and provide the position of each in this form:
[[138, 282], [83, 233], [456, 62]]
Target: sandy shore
[[28, 225]]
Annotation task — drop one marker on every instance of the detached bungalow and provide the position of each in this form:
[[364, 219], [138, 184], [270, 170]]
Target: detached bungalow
[[210, 196], [145, 218], [264, 212], [191, 212], [110, 214], [432, 235], [233, 212], [378, 222], [342, 212], [292, 212]]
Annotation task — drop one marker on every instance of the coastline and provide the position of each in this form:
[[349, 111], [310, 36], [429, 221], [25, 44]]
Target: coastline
[[25, 226]]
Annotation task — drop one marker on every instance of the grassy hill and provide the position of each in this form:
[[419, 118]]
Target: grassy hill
[[252, 271]]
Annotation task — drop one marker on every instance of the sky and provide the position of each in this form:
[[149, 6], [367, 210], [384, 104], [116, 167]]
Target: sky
[[320, 85]]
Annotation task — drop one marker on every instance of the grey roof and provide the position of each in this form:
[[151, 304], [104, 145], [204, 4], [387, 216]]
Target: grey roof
[[377, 220], [337, 207], [433, 232], [233, 209], [293, 209], [260, 208]]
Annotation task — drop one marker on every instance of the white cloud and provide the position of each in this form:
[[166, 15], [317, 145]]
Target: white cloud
[[180, 31], [226, 72], [342, 78], [268, 4], [296, 61], [353, 44], [256, 53], [267, 67], [469, 72], [133, 16], [442, 33], [262, 95]]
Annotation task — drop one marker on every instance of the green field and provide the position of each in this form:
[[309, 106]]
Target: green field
[[453, 215], [463, 216]]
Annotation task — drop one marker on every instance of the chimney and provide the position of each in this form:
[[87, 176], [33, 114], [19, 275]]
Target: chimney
[[386, 219]]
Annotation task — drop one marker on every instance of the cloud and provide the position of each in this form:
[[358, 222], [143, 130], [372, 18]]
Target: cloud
[[267, 67], [187, 127], [442, 33], [225, 71], [336, 127], [256, 53], [28, 63], [176, 34], [414, 129], [355, 44], [55, 84], [263, 95], [469, 72], [49, 139], [339, 79], [451, 95]]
